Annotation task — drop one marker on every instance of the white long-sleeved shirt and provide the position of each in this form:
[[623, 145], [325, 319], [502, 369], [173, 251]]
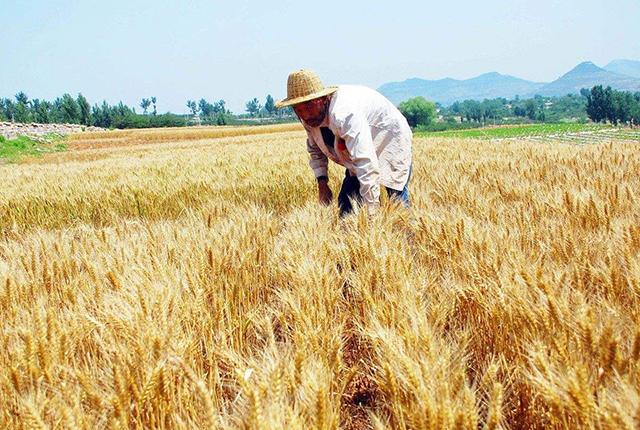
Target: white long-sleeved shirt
[[372, 140]]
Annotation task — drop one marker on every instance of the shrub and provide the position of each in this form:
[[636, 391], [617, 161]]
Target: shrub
[[418, 111]]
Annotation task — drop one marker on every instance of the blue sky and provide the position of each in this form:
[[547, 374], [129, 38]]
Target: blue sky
[[180, 50]]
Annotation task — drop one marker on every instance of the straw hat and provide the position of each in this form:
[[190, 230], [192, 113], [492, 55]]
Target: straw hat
[[302, 86]]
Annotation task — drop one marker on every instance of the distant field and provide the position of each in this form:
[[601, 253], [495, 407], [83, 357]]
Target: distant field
[[518, 131], [188, 279], [115, 138]]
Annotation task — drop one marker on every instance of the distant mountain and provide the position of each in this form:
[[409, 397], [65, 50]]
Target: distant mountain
[[624, 67], [447, 91], [492, 85], [586, 75]]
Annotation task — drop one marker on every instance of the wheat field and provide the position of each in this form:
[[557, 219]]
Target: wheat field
[[184, 279]]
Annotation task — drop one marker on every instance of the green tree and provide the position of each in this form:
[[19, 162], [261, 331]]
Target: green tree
[[69, 110], [193, 107], [418, 111], [253, 106], [519, 111], [270, 105], [623, 103], [144, 104], [100, 115], [635, 113], [596, 109], [492, 109], [609, 105], [206, 109], [56, 110], [221, 113], [220, 107], [84, 109], [22, 98], [635, 110], [153, 101], [22, 112], [472, 110], [456, 108], [41, 111], [530, 109]]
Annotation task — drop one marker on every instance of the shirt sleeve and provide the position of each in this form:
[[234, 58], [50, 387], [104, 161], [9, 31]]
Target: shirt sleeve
[[318, 161], [354, 129]]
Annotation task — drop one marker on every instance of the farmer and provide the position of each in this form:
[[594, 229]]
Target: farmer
[[359, 129]]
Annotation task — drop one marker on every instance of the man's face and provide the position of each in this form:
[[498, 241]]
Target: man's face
[[312, 112]]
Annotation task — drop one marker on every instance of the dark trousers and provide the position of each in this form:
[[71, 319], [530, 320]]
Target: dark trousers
[[350, 192]]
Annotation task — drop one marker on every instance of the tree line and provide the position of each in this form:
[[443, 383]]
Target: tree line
[[616, 107], [217, 114], [538, 108], [210, 113], [70, 110], [598, 105], [256, 109], [77, 110]]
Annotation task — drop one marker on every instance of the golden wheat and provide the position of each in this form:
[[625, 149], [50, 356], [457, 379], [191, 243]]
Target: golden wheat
[[187, 278]]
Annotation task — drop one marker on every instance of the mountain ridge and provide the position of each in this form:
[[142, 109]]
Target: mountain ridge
[[624, 67], [586, 75], [494, 84]]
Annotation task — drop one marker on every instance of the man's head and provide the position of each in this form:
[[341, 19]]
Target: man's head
[[313, 112], [307, 95]]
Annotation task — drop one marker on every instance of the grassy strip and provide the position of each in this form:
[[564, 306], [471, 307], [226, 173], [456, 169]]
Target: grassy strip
[[516, 131], [13, 150]]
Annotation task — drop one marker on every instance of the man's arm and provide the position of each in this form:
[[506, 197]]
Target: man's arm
[[355, 131], [319, 163]]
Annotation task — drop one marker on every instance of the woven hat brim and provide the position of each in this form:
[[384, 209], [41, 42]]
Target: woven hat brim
[[295, 101]]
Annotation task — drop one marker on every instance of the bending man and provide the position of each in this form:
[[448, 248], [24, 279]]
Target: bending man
[[357, 128]]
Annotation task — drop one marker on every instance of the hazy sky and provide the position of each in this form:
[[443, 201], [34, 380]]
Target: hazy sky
[[236, 50]]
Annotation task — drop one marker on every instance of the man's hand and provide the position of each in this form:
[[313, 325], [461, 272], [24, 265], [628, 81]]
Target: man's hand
[[324, 192]]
